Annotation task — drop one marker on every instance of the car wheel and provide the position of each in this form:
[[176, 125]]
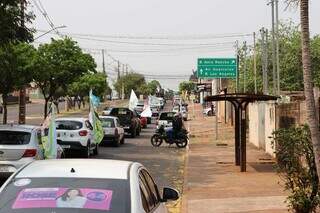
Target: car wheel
[[133, 133], [122, 140], [96, 150], [86, 152], [116, 143]]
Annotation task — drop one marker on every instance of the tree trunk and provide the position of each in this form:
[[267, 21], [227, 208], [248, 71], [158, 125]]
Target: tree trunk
[[308, 85], [5, 110], [46, 100], [56, 103]]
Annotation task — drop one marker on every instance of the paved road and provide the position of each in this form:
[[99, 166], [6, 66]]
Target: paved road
[[166, 164]]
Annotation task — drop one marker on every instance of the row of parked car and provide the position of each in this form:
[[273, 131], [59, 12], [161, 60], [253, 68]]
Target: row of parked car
[[76, 185]]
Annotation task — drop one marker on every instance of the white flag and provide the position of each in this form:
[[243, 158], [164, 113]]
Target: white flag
[[133, 100]]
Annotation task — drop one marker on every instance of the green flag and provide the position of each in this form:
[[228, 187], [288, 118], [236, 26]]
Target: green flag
[[98, 132]]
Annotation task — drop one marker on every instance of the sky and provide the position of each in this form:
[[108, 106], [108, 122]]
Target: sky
[[161, 38]]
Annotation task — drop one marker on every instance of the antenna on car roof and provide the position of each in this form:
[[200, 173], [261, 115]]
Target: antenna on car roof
[[72, 170]]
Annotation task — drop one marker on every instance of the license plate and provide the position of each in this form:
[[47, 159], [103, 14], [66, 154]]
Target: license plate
[[126, 127], [65, 146]]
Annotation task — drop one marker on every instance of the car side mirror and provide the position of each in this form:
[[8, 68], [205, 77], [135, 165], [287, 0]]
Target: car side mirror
[[170, 194]]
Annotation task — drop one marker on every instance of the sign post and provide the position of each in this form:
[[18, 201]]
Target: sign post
[[217, 68]]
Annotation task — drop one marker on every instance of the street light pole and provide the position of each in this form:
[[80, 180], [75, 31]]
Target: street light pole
[[277, 47], [53, 29]]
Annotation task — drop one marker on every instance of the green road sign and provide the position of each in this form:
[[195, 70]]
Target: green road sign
[[217, 68]]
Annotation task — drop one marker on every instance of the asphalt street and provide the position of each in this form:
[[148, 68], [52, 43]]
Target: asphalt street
[[165, 163]]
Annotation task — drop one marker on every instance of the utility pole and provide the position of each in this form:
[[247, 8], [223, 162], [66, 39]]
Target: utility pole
[[274, 74], [103, 63], [118, 69], [237, 56], [22, 92], [245, 67], [277, 47], [266, 61], [122, 86], [263, 57], [255, 63]]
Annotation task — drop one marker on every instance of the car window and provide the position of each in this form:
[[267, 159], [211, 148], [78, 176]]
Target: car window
[[152, 186], [88, 125], [107, 122], [167, 116], [147, 193], [39, 195], [68, 125], [14, 137]]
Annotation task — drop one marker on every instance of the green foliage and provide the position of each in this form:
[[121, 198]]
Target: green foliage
[[291, 75], [96, 81], [187, 86], [58, 64], [15, 67], [10, 22], [132, 81], [296, 166]]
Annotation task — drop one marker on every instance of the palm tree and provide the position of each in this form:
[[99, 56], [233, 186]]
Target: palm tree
[[312, 119]]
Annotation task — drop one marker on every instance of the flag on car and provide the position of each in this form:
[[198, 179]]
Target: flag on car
[[49, 139], [98, 132], [133, 100]]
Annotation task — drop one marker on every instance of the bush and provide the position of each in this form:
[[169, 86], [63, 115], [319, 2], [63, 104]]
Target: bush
[[296, 166]]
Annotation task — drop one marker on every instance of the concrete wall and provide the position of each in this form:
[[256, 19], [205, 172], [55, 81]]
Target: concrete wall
[[270, 126], [257, 124]]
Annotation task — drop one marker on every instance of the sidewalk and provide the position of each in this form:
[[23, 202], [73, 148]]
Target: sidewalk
[[214, 184]]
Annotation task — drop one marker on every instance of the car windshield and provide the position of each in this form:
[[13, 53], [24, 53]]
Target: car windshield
[[14, 137], [65, 195], [107, 122], [166, 116], [68, 125]]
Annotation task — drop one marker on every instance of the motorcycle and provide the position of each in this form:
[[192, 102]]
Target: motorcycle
[[181, 139]]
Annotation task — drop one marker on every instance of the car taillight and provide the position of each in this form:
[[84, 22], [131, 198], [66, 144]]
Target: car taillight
[[83, 133], [29, 153], [116, 132]]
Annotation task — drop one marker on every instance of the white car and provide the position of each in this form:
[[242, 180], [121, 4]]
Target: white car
[[113, 131], [208, 111], [19, 145], [165, 119], [75, 135], [184, 113], [83, 185], [176, 109]]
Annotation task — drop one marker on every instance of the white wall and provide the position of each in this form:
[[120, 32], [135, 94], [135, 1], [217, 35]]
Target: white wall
[[270, 126], [257, 124]]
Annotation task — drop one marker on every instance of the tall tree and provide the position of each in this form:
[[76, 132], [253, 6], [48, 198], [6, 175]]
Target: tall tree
[[57, 65], [12, 14], [308, 84], [312, 119], [15, 69]]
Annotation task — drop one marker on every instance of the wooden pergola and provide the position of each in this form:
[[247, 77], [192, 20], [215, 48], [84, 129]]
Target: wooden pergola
[[240, 102]]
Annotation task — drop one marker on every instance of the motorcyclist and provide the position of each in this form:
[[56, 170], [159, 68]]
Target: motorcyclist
[[177, 124]]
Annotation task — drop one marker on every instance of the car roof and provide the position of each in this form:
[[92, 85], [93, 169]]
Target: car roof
[[16, 127], [71, 119], [83, 168]]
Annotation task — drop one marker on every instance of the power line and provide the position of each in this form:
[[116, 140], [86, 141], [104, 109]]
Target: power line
[[170, 37], [45, 14]]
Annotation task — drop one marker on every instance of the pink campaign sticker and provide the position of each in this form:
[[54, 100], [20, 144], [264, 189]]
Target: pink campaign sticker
[[82, 198]]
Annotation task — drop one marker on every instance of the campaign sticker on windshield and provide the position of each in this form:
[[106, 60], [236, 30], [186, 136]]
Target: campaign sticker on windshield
[[80, 198]]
